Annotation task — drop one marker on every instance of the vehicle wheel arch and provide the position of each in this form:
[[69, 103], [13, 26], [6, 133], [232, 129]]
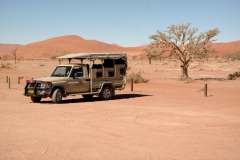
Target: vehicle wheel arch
[[107, 92], [58, 87], [109, 85]]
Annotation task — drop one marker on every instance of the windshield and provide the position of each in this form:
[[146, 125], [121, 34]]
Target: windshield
[[61, 71]]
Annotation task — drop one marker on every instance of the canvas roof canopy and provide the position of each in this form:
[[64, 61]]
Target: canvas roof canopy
[[93, 56]]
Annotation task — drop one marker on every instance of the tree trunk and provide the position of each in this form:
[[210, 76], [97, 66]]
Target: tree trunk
[[184, 67]]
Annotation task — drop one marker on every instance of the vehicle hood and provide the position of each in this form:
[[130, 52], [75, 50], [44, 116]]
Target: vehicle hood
[[51, 79]]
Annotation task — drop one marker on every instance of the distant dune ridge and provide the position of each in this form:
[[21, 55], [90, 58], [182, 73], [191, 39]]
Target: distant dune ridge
[[74, 44], [226, 48], [6, 48]]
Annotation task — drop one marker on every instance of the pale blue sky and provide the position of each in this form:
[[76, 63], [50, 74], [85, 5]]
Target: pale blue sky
[[124, 22]]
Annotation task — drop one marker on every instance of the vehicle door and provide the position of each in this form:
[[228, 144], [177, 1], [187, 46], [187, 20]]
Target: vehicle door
[[78, 83]]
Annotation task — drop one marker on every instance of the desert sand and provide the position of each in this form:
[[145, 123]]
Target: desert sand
[[162, 119]]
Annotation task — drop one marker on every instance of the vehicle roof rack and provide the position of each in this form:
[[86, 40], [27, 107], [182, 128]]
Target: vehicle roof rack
[[93, 56]]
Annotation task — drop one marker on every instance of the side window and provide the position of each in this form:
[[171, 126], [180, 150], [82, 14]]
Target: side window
[[99, 74], [108, 63], [122, 71], [120, 61], [110, 73], [77, 70]]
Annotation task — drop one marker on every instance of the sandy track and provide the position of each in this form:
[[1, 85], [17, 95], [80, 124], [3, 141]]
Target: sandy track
[[164, 119]]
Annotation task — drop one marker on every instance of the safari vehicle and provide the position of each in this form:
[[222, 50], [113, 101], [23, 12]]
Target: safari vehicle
[[84, 77]]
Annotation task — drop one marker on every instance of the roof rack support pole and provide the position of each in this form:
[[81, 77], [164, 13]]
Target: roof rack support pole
[[92, 62], [69, 60], [115, 68], [91, 79], [103, 72]]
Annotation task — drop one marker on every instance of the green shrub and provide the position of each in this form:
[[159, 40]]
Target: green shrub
[[137, 78]]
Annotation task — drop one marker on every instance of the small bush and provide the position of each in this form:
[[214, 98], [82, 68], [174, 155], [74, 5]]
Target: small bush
[[7, 65], [232, 57], [233, 76], [142, 58], [237, 55], [53, 58], [229, 77], [236, 74], [2, 66], [137, 78], [5, 57], [20, 58], [134, 57], [189, 80]]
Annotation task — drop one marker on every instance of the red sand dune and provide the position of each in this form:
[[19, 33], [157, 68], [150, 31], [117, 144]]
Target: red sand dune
[[226, 48], [75, 44], [5, 49], [66, 44]]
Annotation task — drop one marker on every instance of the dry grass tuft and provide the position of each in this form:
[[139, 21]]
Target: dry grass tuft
[[137, 78]]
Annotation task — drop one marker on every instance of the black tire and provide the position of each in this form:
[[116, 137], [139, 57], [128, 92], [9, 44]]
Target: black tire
[[106, 93], [57, 96], [35, 99], [87, 97]]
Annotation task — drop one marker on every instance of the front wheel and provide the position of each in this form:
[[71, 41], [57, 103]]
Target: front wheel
[[57, 96], [106, 93], [35, 99]]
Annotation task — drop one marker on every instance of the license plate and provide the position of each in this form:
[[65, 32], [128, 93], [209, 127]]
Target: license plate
[[31, 91]]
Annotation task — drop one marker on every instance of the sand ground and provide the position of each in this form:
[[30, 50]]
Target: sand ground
[[162, 119]]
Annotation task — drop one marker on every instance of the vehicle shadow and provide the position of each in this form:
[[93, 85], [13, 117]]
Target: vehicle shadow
[[97, 99]]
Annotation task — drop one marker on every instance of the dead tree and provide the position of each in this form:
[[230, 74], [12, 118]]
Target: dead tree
[[14, 53], [183, 43]]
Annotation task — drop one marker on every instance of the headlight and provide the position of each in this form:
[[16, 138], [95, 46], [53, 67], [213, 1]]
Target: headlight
[[46, 85]]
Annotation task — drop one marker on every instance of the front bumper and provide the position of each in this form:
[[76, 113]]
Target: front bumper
[[35, 91], [44, 93]]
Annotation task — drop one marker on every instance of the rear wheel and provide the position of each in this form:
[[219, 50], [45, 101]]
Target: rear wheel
[[35, 99], [87, 97], [106, 93], [57, 96]]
